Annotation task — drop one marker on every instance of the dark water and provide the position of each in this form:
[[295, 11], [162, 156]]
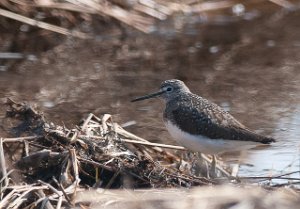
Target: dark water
[[250, 68]]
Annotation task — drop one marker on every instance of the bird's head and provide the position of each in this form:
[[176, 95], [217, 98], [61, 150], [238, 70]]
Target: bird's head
[[169, 89]]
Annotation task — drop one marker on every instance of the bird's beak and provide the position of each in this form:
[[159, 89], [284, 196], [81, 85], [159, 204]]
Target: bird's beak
[[148, 96]]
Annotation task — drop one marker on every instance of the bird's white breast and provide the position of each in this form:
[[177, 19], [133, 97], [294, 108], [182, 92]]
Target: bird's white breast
[[203, 144]]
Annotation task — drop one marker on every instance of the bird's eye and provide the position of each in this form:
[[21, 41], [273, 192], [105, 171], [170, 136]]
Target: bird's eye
[[169, 89]]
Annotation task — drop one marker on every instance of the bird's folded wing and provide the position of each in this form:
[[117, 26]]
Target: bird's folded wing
[[215, 123]]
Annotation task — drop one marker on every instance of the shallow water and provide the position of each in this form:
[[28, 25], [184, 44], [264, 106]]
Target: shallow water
[[250, 69]]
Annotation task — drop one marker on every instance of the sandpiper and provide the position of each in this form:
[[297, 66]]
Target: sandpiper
[[200, 125]]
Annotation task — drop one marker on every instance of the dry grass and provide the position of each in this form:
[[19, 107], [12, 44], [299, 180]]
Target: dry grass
[[55, 162], [141, 15]]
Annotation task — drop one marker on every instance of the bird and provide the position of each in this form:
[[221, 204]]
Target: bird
[[200, 125]]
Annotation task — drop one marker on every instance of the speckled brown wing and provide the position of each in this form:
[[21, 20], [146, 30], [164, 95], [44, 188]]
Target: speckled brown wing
[[198, 116]]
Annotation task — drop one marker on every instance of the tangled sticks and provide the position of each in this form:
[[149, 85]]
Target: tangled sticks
[[47, 164]]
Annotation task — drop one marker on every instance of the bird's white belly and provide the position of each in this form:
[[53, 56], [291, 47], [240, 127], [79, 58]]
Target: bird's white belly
[[203, 144]]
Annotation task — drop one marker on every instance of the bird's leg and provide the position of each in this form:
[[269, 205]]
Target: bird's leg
[[200, 165], [213, 170], [206, 168], [214, 161], [196, 164], [236, 166], [185, 165]]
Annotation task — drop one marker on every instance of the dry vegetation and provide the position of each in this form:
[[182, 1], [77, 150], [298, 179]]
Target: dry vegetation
[[97, 153], [53, 166], [141, 15]]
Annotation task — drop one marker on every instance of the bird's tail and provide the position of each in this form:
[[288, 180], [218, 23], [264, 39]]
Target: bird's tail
[[267, 140]]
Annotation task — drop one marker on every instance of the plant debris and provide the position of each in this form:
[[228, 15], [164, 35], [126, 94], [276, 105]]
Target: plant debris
[[47, 165], [51, 162], [141, 15]]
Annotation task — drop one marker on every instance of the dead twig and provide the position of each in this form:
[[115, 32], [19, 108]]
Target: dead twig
[[44, 199], [59, 194], [63, 190], [96, 164], [283, 3], [154, 144], [20, 139], [3, 165], [43, 25]]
